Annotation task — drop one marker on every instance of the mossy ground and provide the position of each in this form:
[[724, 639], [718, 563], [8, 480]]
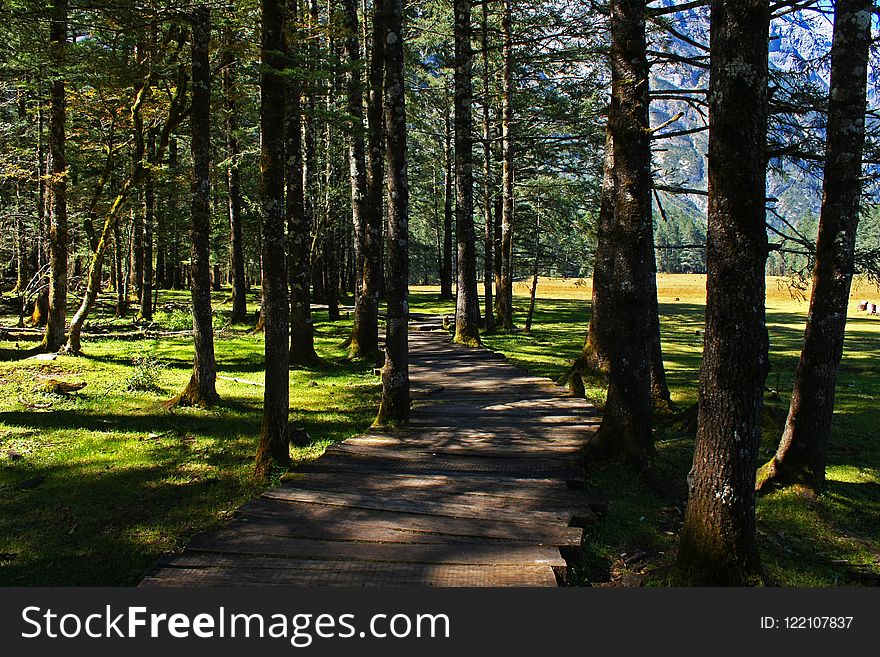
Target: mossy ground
[[95, 485]]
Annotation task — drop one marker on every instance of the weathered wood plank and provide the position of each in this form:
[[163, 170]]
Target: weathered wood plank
[[476, 449], [226, 541], [522, 468], [221, 570], [306, 520], [447, 507], [578, 504]]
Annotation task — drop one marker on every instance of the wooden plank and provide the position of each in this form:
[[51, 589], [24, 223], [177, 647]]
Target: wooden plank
[[523, 468], [193, 569], [455, 483], [577, 504], [475, 450], [225, 541], [448, 507], [305, 520], [467, 439]]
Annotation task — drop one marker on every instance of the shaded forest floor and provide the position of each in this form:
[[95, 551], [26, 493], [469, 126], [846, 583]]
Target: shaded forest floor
[[832, 539], [94, 485]]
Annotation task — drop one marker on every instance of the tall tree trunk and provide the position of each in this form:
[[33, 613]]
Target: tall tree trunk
[[299, 225], [93, 280], [201, 390], [233, 185], [53, 339], [118, 251], [355, 110], [536, 265], [803, 451], [626, 423], [331, 218], [595, 354], [467, 305], [146, 311], [365, 334], [447, 269], [42, 214], [718, 542], [274, 448], [489, 240], [22, 266], [505, 291], [394, 408]]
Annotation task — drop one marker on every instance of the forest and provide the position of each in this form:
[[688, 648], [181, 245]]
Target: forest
[[284, 278]]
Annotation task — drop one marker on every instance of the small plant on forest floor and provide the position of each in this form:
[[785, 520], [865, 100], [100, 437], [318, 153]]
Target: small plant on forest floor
[[146, 375]]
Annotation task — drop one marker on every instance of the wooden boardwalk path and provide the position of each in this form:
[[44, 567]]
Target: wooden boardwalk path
[[475, 493]]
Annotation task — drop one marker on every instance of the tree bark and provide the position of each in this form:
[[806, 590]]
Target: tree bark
[[365, 334], [146, 301], [536, 264], [93, 280], [201, 390], [718, 542], [233, 185], [299, 224], [356, 148], [489, 231], [467, 305], [625, 432], [505, 291], [274, 448], [53, 339], [121, 300], [595, 354], [394, 407], [803, 451], [446, 270]]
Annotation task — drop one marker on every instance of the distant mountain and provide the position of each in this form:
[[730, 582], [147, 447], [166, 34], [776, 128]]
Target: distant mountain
[[799, 47]]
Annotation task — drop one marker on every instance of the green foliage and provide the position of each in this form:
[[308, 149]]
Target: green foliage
[[146, 374]]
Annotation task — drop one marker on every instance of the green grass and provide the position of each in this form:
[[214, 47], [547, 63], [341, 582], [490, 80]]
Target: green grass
[[106, 479], [829, 540]]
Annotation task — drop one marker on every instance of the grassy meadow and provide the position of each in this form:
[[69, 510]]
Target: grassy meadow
[[95, 484]]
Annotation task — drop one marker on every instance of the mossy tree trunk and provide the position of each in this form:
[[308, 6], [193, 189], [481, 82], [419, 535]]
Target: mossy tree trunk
[[803, 451], [718, 541]]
